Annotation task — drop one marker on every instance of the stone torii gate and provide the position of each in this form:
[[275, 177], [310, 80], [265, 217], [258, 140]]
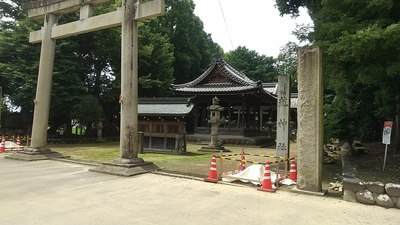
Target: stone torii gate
[[127, 16]]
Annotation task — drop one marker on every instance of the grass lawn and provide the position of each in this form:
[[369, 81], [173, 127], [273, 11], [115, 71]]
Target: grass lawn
[[193, 163]]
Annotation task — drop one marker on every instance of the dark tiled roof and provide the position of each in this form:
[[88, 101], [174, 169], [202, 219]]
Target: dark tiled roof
[[233, 74], [235, 81], [164, 109], [164, 100], [270, 87], [217, 88]]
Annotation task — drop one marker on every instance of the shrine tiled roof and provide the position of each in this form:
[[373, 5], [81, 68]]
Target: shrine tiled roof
[[164, 106], [271, 87], [216, 88], [220, 78]]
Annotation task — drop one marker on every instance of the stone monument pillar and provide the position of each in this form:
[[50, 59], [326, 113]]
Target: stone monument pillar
[[283, 121], [309, 117]]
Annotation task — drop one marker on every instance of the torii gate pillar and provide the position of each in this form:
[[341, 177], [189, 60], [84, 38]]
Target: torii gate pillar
[[128, 164], [43, 88]]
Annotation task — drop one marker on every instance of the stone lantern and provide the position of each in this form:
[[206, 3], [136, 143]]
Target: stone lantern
[[215, 120]]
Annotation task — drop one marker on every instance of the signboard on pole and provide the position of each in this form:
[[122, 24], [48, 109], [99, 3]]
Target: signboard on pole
[[387, 130]]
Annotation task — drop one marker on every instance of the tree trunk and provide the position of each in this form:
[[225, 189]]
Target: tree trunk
[[396, 124], [79, 132], [99, 127]]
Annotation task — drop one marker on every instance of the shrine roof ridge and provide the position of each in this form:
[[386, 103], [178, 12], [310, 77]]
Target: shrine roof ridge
[[228, 70], [164, 100]]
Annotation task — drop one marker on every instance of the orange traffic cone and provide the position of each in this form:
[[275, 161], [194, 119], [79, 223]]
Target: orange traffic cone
[[213, 175], [18, 141], [267, 184], [293, 170], [242, 164], [3, 145]]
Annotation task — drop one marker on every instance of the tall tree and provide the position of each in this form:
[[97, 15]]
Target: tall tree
[[360, 57], [286, 63], [156, 55], [18, 60], [255, 66], [193, 48], [172, 48]]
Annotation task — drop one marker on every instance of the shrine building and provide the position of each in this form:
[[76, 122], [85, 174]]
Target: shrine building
[[248, 106]]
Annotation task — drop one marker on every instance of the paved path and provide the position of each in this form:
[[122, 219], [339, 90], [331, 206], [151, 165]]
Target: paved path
[[55, 193]]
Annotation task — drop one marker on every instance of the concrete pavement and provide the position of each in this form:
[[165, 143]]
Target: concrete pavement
[[55, 193]]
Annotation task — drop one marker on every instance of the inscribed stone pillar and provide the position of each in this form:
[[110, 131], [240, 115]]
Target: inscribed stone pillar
[[43, 90], [282, 117], [309, 116]]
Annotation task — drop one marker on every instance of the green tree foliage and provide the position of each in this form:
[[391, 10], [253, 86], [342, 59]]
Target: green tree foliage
[[361, 59], [193, 48], [255, 66], [11, 10], [155, 65], [88, 110], [18, 61], [171, 47], [286, 63]]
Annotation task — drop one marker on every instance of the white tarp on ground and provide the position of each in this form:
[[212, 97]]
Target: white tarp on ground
[[11, 146], [255, 175]]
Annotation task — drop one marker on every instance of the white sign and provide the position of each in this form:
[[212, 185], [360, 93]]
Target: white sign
[[387, 130]]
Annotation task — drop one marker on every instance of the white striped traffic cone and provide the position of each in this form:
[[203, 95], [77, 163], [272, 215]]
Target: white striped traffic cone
[[267, 183], [3, 145], [293, 170], [242, 164], [213, 175]]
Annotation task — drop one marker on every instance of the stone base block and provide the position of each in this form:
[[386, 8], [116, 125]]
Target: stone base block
[[125, 169], [314, 193], [349, 196], [216, 149], [29, 154]]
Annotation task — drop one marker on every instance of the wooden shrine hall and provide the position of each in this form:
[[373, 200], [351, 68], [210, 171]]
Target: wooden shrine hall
[[248, 104]]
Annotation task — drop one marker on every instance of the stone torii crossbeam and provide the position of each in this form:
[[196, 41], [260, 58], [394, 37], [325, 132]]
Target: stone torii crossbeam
[[127, 17]]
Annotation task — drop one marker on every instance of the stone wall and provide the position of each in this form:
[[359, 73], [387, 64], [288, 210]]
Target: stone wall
[[369, 192]]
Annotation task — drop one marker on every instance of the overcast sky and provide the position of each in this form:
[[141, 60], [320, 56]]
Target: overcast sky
[[255, 24]]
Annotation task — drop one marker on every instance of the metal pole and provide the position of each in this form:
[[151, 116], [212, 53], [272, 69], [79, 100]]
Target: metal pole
[[384, 159]]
